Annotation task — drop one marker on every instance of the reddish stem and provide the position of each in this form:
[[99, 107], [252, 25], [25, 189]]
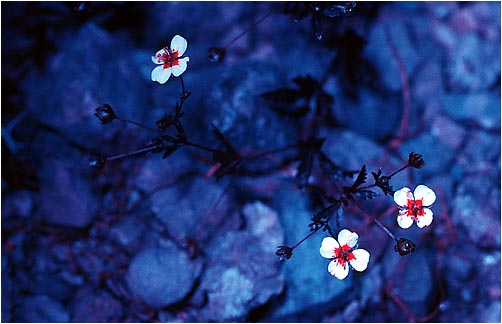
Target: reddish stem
[[405, 82]]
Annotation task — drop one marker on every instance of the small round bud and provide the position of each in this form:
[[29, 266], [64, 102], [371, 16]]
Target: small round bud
[[284, 252], [97, 162], [165, 122], [416, 160], [216, 54], [404, 246], [105, 114]]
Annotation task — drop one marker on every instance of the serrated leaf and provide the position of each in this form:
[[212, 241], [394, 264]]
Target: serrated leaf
[[361, 177]]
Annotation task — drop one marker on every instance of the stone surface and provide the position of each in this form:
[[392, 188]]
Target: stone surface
[[191, 207], [98, 307], [373, 114], [362, 150], [242, 269], [128, 232], [162, 276], [466, 71], [79, 245], [480, 219], [397, 33], [264, 225], [429, 144], [481, 108], [67, 198], [52, 286], [244, 119], [83, 72], [309, 289], [42, 309]]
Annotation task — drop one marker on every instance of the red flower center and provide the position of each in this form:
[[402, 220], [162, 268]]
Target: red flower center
[[169, 58], [343, 254], [415, 208]]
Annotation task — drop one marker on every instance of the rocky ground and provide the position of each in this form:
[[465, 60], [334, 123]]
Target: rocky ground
[[152, 239]]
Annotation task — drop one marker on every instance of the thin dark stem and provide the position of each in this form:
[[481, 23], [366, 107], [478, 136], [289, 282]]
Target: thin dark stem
[[367, 187], [401, 169], [405, 86], [182, 86], [287, 147], [137, 124], [382, 226], [385, 229], [305, 238], [247, 30], [136, 152], [199, 146]]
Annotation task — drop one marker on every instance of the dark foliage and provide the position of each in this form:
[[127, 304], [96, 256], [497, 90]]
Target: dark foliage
[[318, 10], [352, 69]]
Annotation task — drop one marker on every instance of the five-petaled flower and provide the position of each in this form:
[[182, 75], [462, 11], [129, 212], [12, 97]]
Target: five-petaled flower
[[414, 206], [171, 60], [344, 252]]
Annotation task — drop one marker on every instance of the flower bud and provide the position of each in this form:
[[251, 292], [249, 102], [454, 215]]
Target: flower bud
[[105, 114], [97, 162], [404, 246], [416, 160], [216, 54], [284, 252], [165, 122]]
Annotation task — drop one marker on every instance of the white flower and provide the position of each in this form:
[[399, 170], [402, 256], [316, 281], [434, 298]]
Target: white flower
[[344, 252], [414, 206], [171, 60]]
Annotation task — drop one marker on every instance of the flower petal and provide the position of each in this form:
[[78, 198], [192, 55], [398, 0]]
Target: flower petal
[[403, 220], [362, 257], [425, 193], [181, 67], [161, 74], [158, 58], [426, 219], [328, 247], [401, 196], [156, 72], [338, 270], [347, 237], [179, 44]]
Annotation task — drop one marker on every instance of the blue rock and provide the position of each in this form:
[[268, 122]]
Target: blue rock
[[310, 289], [162, 276], [482, 108], [232, 102], [473, 64], [53, 286], [414, 284], [379, 50], [67, 198], [429, 144], [41, 309], [242, 272], [191, 208], [96, 307], [478, 217], [128, 232], [362, 150], [86, 72], [264, 224], [373, 114]]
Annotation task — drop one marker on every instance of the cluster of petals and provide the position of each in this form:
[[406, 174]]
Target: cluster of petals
[[171, 60], [344, 252], [413, 206]]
